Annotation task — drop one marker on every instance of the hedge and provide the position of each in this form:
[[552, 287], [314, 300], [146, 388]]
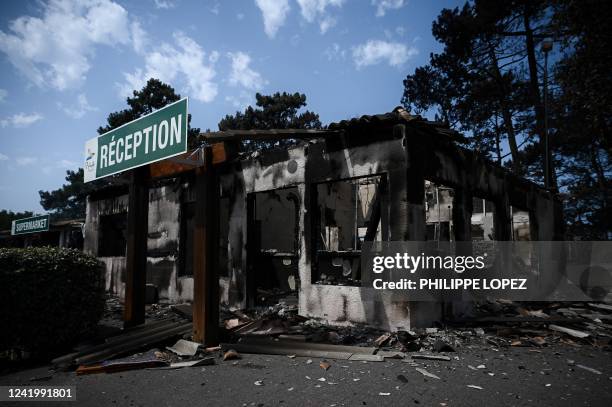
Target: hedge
[[48, 297]]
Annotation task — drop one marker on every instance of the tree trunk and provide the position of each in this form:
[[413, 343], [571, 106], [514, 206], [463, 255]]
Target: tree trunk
[[497, 141], [506, 115], [534, 88]]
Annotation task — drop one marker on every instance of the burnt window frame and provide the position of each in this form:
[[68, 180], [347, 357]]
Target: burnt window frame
[[496, 211], [315, 221], [452, 218], [531, 219]]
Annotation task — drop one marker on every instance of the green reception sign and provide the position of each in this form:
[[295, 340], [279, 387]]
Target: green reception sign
[[30, 225], [151, 138]]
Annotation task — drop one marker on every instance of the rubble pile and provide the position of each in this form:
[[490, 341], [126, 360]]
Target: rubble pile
[[279, 330], [549, 323], [496, 324], [113, 312]]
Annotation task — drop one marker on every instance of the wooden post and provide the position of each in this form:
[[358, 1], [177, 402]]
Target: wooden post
[[205, 248], [136, 255]]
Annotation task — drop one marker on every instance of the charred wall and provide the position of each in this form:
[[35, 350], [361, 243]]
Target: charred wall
[[406, 158], [304, 167], [105, 215]]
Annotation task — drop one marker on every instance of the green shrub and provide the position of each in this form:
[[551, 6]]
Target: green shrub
[[48, 297]]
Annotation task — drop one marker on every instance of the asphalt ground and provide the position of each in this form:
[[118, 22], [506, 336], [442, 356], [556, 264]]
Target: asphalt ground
[[548, 376]]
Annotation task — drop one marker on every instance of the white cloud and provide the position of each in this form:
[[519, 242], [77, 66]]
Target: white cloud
[[375, 51], [316, 10], [184, 60], [20, 120], [213, 57], [335, 52], [326, 23], [23, 161], [48, 166], [67, 164], [79, 109], [56, 48], [215, 9], [3, 95], [399, 31], [274, 13], [3, 157], [241, 101], [140, 38], [163, 4], [133, 81], [242, 74], [383, 5]]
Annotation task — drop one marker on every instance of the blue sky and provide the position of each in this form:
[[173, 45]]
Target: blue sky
[[66, 64]]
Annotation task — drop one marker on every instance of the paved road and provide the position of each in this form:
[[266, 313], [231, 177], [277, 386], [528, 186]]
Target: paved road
[[510, 377]]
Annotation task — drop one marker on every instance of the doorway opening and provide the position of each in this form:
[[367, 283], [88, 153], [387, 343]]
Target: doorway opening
[[273, 247]]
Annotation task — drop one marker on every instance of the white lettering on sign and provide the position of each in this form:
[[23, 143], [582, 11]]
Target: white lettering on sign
[[163, 134], [156, 137], [32, 224], [175, 126], [137, 141], [103, 156]]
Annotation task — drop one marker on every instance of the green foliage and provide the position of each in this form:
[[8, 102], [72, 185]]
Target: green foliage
[[488, 81], [277, 111], [582, 115], [153, 96], [69, 201], [481, 82], [48, 297], [7, 217]]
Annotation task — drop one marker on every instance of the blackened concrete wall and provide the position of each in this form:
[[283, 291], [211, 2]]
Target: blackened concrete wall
[[163, 242], [303, 167], [406, 160]]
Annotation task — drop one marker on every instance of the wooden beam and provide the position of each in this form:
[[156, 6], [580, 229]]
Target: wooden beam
[[205, 250], [136, 255], [221, 152], [174, 166]]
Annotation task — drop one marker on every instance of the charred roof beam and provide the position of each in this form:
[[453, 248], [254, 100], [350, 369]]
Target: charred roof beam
[[267, 135]]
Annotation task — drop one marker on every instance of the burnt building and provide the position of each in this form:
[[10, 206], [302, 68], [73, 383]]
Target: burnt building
[[291, 222], [67, 233]]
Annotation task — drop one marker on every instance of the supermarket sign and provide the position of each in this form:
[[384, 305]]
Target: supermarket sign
[[30, 225]]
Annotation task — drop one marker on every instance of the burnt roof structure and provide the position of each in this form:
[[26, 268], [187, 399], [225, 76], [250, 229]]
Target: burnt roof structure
[[399, 115]]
